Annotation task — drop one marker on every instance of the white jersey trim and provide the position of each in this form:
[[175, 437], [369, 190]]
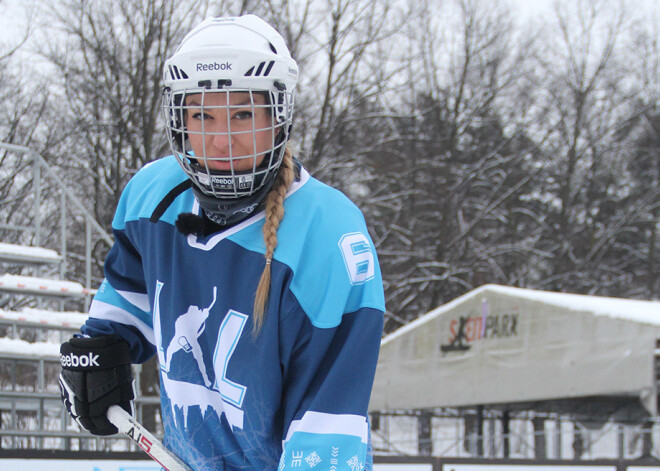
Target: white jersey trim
[[105, 311], [213, 241], [322, 423], [139, 300]]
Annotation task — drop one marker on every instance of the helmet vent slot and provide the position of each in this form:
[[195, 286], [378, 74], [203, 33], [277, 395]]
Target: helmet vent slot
[[177, 74], [260, 69], [270, 66]]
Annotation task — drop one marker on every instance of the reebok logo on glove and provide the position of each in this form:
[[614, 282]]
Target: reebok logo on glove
[[72, 360], [96, 374]]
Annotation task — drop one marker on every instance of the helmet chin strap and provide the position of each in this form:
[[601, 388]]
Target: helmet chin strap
[[229, 211]]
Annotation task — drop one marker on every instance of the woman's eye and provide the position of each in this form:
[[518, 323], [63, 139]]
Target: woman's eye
[[241, 115], [199, 115]]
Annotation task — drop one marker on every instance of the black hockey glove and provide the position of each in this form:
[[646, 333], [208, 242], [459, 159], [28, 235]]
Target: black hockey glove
[[96, 374]]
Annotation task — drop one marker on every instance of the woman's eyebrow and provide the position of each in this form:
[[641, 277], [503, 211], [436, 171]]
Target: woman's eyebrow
[[247, 101], [244, 102]]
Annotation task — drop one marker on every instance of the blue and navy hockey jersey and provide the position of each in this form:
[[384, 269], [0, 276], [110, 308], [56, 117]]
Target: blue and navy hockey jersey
[[296, 395]]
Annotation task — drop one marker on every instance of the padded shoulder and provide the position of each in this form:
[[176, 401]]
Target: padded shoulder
[[324, 240], [147, 189]]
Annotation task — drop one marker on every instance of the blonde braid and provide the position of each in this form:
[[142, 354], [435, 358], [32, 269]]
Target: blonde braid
[[274, 214]]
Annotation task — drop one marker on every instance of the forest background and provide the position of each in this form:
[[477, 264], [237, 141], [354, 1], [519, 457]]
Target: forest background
[[481, 148]]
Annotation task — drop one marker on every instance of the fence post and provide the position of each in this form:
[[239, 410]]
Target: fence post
[[88, 261], [558, 439], [37, 198]]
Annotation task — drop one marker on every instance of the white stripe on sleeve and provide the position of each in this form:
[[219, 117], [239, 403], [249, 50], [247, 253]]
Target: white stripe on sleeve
[[321, 422], [105, 311], [139, 300]]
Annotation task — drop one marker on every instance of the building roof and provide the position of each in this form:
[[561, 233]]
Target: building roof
[[505, 346]]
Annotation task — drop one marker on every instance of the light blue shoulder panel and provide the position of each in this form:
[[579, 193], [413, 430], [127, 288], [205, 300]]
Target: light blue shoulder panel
[[147, 189], [324, 240]]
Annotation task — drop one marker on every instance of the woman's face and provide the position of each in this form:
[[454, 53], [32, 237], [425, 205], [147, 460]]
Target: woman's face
[[229, 130]]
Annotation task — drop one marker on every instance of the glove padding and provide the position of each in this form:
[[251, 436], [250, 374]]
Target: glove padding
[[96, 374]]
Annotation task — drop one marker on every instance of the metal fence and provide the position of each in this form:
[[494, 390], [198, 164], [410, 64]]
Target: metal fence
[[559, 438], [39, 209], [31, 411]]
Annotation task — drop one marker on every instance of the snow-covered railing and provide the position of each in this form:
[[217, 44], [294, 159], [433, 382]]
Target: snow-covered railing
[[28, 255], [19, 349], [45, 319], [43, 286], [54, 326]]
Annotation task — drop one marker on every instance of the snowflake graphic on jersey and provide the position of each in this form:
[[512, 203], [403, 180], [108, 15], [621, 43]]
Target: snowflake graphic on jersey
[[313, 459], [355, 464]]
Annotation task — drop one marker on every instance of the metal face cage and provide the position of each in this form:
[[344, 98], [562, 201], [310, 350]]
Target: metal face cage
[[230, 142]]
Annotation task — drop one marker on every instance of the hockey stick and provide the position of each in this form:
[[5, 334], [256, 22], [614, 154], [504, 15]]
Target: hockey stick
[[145, 440]]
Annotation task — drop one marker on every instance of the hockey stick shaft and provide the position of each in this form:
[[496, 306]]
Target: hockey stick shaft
[[145, 440]]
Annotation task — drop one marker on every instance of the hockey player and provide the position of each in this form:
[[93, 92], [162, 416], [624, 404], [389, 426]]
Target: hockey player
[[277, 371]]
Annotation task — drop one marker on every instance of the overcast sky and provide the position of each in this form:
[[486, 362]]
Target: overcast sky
[[12, 12], [13, 15]]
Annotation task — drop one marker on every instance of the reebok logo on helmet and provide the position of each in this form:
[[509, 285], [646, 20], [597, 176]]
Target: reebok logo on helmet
[[74, 361], [223, 181], [213, 66]]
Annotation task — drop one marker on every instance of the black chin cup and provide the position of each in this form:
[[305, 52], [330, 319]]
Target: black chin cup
[[230, 211], [225, 185]]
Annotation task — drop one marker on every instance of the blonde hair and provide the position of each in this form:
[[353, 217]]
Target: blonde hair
[[274, 214]]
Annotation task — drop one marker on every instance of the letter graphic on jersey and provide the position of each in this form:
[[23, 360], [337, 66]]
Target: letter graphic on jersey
[[358, 257], [157, 328], [224, 396], [230, 332]]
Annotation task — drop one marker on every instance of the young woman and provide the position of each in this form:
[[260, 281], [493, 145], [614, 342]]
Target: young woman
[[256, 285]]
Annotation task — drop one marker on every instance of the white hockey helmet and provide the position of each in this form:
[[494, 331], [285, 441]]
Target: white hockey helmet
[[225, 55]]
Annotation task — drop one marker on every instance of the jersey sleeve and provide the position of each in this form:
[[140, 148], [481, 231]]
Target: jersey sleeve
[[330, 341], [121, 304], [329, 380]]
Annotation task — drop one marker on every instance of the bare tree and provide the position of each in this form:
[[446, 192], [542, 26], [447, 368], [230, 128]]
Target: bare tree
[[26, 120], [448, 178], [339, 48], [641, 249], [584, 102], [110, 67]]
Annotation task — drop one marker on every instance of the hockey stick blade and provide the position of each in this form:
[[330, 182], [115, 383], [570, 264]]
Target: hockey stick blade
[[145, 440]]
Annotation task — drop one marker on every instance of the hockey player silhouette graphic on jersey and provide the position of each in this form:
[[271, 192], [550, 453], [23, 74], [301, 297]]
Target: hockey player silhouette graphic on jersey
[[187, 328], [223, 395]]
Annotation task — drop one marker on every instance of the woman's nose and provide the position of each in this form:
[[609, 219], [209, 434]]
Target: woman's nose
[[220, 135]]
